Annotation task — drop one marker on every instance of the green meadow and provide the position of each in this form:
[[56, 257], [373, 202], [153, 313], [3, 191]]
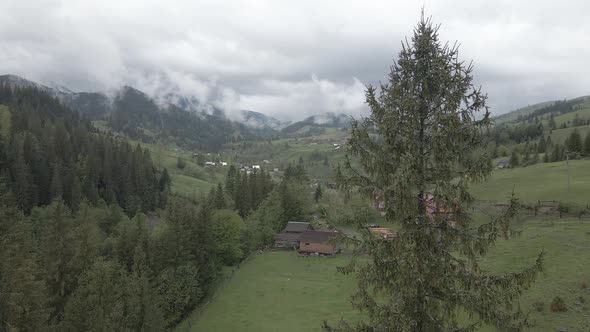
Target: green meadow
[[279, 291], [544, 181]]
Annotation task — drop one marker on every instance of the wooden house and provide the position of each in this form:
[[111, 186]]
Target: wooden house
[[320, 242], [289, 237], [382, 232]]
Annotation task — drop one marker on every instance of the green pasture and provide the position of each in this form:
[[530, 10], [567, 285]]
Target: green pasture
[[279, 291], [544, 181]]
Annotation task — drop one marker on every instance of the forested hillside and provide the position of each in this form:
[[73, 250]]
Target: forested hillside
[[547, 132], [49, 152], [91, 239], [174, 119]]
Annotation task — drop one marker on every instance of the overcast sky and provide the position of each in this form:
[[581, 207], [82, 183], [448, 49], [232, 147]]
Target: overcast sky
[[290, 59]]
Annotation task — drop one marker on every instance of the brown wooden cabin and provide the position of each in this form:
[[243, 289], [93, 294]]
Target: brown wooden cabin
[[383, 232], [321, 242], [289, 237]]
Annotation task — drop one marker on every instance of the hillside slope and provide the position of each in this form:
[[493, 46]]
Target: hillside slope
[[180, 120]]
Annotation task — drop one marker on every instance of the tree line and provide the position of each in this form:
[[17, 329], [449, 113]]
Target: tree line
[[48, 152], [77, 253], [574, 147]]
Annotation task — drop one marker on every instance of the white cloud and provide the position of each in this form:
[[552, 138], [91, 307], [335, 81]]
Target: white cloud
[[295, 100], [260, 54]]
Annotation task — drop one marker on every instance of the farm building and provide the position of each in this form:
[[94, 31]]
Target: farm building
[[504, 163], [289, 237], [434, 209], [383, 232], [321, 242]]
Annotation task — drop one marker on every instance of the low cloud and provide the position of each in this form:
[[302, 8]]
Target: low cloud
[[290, 59]]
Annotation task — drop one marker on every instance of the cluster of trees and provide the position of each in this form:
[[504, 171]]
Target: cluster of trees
[[48, 152], [290, 200], [246, 190], [575, 144], [76, 251], [98, 270], [516, 134], [559, 107], [572, 148]]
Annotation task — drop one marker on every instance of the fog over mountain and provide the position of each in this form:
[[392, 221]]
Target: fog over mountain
[[289, 60]]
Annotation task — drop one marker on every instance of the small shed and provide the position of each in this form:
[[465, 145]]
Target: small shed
[[504, 163], [321, 242]]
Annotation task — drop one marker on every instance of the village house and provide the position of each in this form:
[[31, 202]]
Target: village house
[[289, 237], [319, 242], [382, 232]]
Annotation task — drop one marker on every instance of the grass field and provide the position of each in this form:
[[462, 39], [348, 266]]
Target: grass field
[[545, 181], [279, 291]]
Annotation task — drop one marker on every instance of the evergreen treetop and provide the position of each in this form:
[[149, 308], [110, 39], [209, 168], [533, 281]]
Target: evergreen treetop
[[429, 148]]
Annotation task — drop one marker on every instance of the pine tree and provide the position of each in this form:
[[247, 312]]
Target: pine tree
[[230, 180], [430, 148], [22, 291], [318, 193], [165, 180], [144, 312], [180, 164], [76, 196], [23, 186], [98, 304], [587, 144], [574, 142], [542, 145], [56, 183], [556, 153], [56, 252], [552, 124], [219, 201]]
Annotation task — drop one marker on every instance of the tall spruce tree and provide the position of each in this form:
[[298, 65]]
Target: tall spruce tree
[[574, 142], [428, 150]]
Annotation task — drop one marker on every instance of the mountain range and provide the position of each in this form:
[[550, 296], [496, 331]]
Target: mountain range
[[184, 120]]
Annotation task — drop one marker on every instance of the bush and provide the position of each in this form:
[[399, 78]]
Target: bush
[[539, 306], [180, 164], [558, 305], [584, 285]]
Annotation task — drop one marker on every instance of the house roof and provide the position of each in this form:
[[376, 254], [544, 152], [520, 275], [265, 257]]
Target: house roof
[[292, 237], [383, 232], [317, 236], [296, 226]]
